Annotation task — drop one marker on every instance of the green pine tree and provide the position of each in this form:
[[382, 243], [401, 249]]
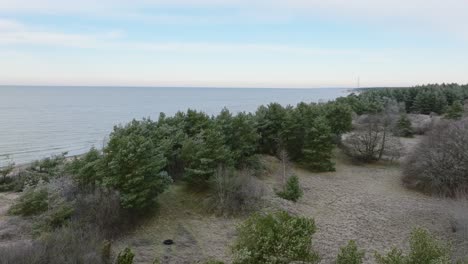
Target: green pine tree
[[403, 126], [134, 165], [318, 146], [455, 111], [292, 190], [202, 155]]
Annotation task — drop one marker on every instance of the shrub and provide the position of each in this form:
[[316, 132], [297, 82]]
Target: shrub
[[5, 171], [292, 190], [58, 213], [424, 248], [234, 192], [350, 254], [395, 256], [67, 245], [439, 163], [213, 262], [275, 238], [52, 166], [125, 257], [100, 208], [31, 202]]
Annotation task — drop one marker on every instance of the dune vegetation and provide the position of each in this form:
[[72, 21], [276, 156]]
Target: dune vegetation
[[357, 180]]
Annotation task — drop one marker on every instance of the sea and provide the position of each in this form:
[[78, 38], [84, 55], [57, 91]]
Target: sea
[[41, 121]]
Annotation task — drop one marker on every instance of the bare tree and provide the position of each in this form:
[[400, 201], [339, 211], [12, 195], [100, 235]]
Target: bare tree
[[373, 139], [284, 171], [439, 164]]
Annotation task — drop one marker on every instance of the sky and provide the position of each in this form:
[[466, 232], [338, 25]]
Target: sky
[[233, 43]]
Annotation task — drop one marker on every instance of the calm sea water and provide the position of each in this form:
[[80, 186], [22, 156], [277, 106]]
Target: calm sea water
[[37, 122]]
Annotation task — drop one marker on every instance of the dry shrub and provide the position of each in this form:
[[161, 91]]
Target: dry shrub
[[234, 192], [68, 245], [458, 210], [422, 124], [439, 163], [101, 208]]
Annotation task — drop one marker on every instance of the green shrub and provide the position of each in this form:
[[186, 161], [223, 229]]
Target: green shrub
[[350, 254], [292, 190], [53, 166], [276, 238], [395, 256], [213, 261], [58, 213], [125, 257], [31, 202], [424, 249]]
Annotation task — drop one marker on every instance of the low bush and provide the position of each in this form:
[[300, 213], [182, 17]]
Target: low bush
[[350, 254], [424, 248], [53, 166], [67, 245], [100, 208], [234, 192], [58, 213], [31, 202], [292, 190], [275, 238], [125, 257]]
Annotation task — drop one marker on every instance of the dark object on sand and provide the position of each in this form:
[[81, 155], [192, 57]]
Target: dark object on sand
[[168, 242]]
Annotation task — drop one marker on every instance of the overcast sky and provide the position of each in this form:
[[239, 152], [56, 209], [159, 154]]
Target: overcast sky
[[234, 43]]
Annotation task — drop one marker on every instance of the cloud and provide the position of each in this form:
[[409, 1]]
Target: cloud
[[423, 15], [15, 33], [9, 25]]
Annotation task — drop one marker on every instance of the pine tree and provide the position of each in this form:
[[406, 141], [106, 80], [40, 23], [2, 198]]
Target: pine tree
[[202, 155], [403, 126], [292, 190], [318, 146], [455, 111], [240, 134], [134, 165], [339, 117]]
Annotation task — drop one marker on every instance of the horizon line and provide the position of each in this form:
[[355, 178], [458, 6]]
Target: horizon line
[[194, 87]]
